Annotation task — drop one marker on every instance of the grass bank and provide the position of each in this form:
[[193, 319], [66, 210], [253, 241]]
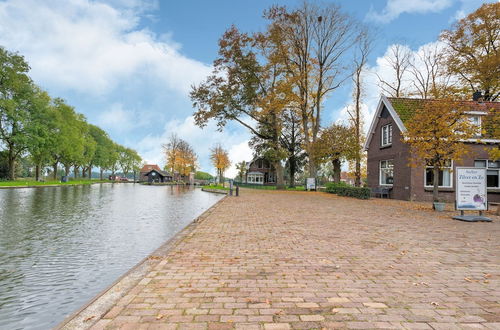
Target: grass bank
[[217, 187], [263, 187], [33, 183]]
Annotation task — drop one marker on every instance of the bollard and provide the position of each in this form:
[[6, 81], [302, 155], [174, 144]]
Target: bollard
[[237, 191]]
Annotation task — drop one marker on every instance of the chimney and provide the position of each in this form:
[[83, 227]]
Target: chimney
[[477, 96]]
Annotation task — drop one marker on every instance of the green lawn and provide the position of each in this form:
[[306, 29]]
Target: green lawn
[[30, 182], [219, 187], [264, 187]]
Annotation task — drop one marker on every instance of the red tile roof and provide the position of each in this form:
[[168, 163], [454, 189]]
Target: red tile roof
[[149, 167]]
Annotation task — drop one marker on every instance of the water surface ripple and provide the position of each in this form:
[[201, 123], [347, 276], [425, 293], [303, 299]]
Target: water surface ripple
[[59, 247]]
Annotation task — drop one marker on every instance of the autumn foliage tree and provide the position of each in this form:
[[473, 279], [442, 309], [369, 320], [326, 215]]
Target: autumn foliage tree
[[336, 144], [472, 52], [435, 133], [315, 42], [220, 160], [249, 86], [181, 158]]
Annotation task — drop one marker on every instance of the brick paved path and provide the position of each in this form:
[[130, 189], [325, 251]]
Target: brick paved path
[[286, 260]]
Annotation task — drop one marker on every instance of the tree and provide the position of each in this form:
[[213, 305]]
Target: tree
[[435, 134], [398, 60], [472, 51], [355, 116], [16, 96], [129, 160], [248, 85], [336, 144], [199, 175], [315, 42], [220, 160], [103, 149], [241, 167], [492, 130], [42, 132], [89, 147], [181, 158], [430, 76]]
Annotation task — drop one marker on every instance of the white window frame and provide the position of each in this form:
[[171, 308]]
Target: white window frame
[[487, 162], [388, 128], [479, 124], [380, 172], [451, 176]]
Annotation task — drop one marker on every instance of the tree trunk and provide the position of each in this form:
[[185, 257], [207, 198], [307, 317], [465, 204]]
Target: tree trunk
[[37, 172], [12, 165], [75, 171], [134, 176], [100, 174], [357, 181], [312, 163], [336, 170], [280, 182], [66, 170], [435, 189], [55, 170], [291, 163]]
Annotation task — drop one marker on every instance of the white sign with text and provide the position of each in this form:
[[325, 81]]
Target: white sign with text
[[471, 189], [311, 184]]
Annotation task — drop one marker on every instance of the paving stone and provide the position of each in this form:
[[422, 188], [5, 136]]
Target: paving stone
[[375, 305], [311, 260]]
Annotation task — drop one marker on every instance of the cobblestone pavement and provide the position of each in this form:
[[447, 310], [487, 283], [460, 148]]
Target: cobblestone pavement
[[297, 260]]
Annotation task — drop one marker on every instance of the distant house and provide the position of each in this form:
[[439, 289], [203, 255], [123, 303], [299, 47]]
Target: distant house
[[146, 169], [260, 171], [347, 178], [156, 176], [389, 156]]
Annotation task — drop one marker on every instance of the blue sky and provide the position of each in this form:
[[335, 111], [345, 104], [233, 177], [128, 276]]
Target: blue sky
[[128, 65]]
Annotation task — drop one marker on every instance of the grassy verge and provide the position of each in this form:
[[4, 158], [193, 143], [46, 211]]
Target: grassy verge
[[263, 187], [218, 187], [27, 183]]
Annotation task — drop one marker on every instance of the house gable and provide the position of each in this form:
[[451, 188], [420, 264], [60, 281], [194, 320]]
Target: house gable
[[384, 110]]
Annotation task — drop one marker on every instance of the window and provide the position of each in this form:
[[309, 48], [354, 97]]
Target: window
[[445, 176], [386, 172], [476, 122], [492, 172], [386, 135]]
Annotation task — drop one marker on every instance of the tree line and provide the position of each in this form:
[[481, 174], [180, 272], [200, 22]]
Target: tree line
[[275, 83], [48, 133]]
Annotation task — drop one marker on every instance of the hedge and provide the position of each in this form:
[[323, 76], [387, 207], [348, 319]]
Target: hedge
[[343, 189]]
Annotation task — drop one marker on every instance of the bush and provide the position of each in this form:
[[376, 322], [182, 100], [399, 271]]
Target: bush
[[343, 189]]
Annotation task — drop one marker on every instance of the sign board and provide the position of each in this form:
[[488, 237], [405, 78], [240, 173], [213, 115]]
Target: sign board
[[311, 184], [471, 193]]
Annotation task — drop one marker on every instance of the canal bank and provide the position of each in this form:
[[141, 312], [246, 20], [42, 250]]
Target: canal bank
[[128, 283], [60, 247], [283, 260]]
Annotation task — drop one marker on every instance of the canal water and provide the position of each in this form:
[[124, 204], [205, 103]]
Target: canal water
[[60, 246]]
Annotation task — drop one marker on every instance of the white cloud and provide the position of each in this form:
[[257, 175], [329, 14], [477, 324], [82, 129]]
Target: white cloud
[[394, 8], [237, 153], [200, 139], [91, 47], [119, 120]]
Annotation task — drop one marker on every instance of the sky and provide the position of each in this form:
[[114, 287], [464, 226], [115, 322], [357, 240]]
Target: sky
[[128, 65]]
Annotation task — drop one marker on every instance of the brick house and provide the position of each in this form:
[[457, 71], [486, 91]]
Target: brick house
[[388, 156], [260, 171]]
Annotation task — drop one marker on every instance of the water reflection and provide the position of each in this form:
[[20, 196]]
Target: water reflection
[[59, 247]]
